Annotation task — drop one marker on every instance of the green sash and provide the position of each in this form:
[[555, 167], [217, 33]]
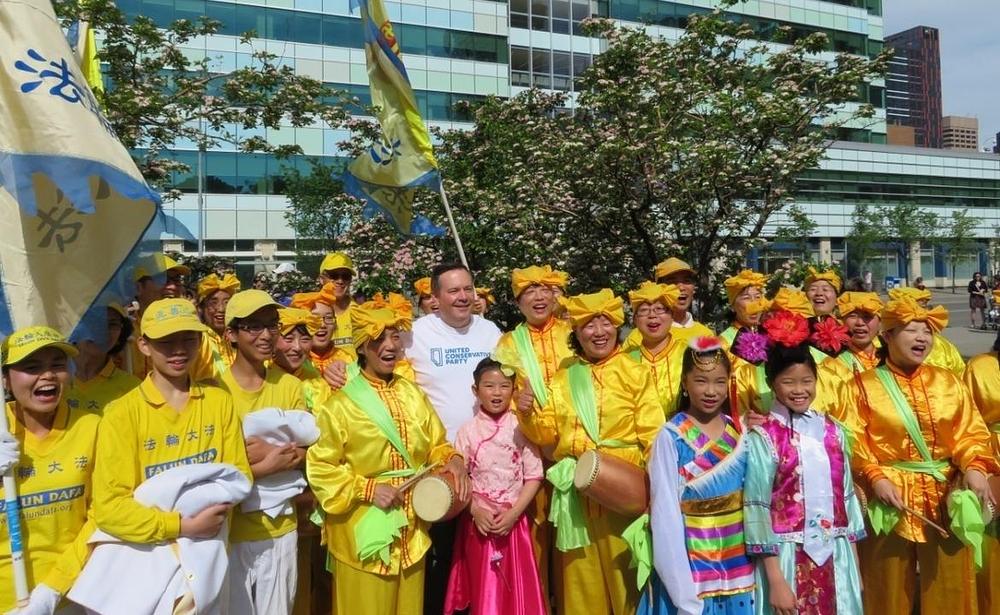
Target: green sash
[[533, 371], [764, 390], [729, 335], [566, 512], [378, 529], [966, 514], [929, 465], [639, 539], [995, 427], [847, 357]]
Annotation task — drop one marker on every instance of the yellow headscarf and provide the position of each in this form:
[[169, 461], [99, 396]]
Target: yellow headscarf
[[909, 292], [581, 309], [289, 318], [651, 292], [901, 312], [369, 323], [307, 301], [486, 293], [742, 280], [521, 279], [211, 283], [822, 276], [395, 302], [855, 301], [423, 287], [793, 300]]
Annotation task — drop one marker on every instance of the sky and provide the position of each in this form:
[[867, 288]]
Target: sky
[[970, 53]]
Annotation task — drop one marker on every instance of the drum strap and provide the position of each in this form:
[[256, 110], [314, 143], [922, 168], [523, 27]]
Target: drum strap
[[529, 360], [928, 465]]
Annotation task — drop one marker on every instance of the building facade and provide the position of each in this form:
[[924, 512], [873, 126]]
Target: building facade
[[913, 85], [959, 132], [463, 50]]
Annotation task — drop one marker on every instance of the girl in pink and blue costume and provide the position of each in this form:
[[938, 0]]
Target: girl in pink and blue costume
[[801, 514], [493, 569], [696, 512]]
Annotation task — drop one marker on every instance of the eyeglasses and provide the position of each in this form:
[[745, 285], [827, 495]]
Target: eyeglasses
[[328, 319], [646, 312], [256, 328]]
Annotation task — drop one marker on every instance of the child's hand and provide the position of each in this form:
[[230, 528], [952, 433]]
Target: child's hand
[[205, 524], [257, 449], [781, 597], [504, 521], [386, 497], [482, 518], [279, 459], [525, 400]]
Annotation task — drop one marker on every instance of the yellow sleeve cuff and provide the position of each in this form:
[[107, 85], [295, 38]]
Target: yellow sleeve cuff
[[171, 525]]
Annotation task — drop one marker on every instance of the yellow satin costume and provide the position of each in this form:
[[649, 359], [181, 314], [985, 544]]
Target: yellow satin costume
[[982, 377], [955, 432], [344, 467], [946, 355], [596, 579]]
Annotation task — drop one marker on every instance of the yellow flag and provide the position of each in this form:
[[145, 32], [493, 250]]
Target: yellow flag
[[73, 206], [386, 175]]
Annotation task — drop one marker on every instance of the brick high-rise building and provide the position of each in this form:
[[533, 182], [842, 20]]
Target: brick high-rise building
[[913, 86], [960, 132]]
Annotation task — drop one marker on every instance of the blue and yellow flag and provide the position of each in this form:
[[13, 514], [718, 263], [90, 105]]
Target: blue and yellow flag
[[84, 44], [387, 175], [73, 206]]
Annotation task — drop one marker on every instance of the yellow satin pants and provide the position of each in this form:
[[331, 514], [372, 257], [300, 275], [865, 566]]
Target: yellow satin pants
[[946, 584], [356, 592]]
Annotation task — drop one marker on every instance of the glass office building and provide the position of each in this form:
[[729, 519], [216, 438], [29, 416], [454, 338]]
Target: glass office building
[[462, 50]]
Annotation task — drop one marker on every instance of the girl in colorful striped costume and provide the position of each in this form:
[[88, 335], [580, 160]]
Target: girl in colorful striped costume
[[696, 515]]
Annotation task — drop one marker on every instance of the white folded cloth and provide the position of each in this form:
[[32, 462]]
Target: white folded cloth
[[273, 494], [134, 578]]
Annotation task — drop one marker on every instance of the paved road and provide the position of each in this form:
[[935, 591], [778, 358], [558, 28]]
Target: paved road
[[970, 341]]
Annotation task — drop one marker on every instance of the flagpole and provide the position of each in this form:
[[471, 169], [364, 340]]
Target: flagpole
[[451, 224], [13, 509]]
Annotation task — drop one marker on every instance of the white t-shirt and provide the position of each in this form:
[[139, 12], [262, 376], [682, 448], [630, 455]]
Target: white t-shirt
[[444, 358]]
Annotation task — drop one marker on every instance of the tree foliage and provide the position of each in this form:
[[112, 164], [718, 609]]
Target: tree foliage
[[160, 96], [959, 239], [685, 148]]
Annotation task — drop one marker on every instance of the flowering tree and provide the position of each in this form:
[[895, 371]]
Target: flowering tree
[[685, 148]]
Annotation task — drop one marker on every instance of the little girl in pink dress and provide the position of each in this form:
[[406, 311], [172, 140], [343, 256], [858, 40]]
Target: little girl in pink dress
[[493, 569]]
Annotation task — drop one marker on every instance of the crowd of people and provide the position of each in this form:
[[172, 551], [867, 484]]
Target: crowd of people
[[829, 452]]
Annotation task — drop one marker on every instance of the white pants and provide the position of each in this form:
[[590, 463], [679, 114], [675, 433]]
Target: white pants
[[262, 576]]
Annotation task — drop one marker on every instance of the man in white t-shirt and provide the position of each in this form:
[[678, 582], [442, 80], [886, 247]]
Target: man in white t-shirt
[[446, 345], [444, 349]]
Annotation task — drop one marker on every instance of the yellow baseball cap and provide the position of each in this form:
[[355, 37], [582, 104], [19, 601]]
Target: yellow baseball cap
[[671, 266], [246, 302], [337, 260], [22, 343], [168, 316], [158, 263]]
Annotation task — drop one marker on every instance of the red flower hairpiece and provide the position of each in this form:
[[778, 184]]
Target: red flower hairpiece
[[787, 328], [829, 335], [705, 343]]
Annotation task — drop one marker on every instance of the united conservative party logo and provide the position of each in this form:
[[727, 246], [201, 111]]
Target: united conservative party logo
[[460, 355]]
